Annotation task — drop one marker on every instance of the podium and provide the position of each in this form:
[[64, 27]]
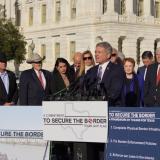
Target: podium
[[81, 124]]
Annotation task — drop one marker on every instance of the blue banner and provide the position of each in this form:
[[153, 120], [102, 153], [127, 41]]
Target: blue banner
[[134, 133]]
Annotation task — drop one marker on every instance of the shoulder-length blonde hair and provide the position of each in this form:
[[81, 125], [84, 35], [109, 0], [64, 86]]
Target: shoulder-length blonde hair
[[82, 67]]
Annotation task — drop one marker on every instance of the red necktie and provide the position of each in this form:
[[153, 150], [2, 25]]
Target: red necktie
[[158, 76], [40, 78]]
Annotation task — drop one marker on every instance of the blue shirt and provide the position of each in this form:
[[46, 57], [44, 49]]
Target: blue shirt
[[5, 80]]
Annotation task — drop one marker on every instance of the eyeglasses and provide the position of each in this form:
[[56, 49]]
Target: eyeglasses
[[39, 62], [85, 58], [113, 55]]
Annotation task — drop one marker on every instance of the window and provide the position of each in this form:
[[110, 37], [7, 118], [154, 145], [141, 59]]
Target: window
[[57, 50], [138, 56], [140, 8], [138, 52], [120, 43], [58, 10], [123, 7], [30, 16], [72, 49], [43, 14], [157, 9], [17, 14], [104, 6], [73, 9], [43, 50]]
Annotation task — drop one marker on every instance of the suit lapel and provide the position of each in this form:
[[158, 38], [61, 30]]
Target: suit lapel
[[106, 72], [3, 87], [155, 74], [45, 76], [34, 75], [10, 82]]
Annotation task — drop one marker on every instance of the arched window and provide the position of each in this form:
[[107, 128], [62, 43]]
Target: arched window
[[157, 9], [43, 50], [104, 6], [140, 8], [73, 9], [30, 16], [58, 10], [138, 57], [120, 43], [17, 13], [43, 13], [122, 6]]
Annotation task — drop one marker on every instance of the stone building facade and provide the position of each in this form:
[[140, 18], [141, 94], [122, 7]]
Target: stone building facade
[[58, 28]]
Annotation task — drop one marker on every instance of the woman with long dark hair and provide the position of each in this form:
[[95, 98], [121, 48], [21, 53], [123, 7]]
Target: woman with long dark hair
[[62, 76], [62, 79]]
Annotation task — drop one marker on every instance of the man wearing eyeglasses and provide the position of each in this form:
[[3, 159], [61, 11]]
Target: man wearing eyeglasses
[[152, 83], [35, 83]]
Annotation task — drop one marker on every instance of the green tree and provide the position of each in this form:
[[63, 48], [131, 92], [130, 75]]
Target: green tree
[[12, 42]]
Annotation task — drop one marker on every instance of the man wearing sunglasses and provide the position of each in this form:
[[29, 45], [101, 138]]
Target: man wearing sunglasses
[[35, 83]]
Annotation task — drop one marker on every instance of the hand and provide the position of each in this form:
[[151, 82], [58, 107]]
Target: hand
[[8, 104]]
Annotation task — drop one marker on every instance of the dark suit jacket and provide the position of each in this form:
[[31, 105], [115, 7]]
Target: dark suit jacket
[[73, 72], [112, 81], [141, 71], [31, 90], [151, 90], [12, 96], [140, 74], [131, 92], [58, 83]]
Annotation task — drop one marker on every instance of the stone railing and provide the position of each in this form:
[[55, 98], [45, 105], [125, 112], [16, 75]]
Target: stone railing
[[123, 18], [157, 21], [140, 19]]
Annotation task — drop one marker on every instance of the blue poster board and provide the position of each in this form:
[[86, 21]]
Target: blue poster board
[[134, 133]]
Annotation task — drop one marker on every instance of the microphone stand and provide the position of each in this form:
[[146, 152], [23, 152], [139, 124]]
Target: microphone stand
[[45, 152]]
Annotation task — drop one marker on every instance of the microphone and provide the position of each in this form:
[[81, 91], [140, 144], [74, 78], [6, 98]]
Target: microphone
[[58, 95]]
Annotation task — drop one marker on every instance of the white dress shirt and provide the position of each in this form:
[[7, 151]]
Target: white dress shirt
[[104, 65], [5, 80], [43, 77]]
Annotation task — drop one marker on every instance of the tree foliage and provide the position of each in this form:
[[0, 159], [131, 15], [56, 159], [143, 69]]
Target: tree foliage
[[12, 42]]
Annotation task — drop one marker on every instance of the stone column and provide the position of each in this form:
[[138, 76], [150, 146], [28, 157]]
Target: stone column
[[131, 17], [147, 11], [110, 14], [110, 6]]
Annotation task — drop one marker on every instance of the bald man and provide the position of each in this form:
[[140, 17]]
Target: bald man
[[76, 63]]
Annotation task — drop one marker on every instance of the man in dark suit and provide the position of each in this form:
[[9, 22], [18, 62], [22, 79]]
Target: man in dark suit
[[75, 67], [108, 75], [8, 86], [147, 59], [35, 83], [152, 83]]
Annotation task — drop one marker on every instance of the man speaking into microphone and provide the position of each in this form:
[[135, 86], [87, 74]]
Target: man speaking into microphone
[[107, 75]]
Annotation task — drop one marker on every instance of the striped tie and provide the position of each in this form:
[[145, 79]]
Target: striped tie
[[158, 76], [40, 78]]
